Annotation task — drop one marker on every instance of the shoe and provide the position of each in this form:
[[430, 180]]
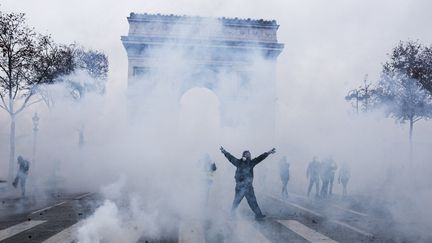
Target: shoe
[[260, 217]]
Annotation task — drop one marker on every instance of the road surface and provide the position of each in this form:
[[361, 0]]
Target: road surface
[[296, 219]]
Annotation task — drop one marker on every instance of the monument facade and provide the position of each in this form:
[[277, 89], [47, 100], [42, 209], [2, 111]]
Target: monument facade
[[235, 58]]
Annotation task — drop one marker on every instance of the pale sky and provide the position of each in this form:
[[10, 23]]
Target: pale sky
[[329, 45], [336, 39]]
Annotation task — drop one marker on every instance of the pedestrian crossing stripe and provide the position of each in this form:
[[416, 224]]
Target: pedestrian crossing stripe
[[67, 235], [298, 206], [189, 231], [306, 232], [18, 228]]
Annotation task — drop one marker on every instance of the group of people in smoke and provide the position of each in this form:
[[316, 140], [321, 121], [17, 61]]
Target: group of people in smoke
[[325, 172], [316, 172]]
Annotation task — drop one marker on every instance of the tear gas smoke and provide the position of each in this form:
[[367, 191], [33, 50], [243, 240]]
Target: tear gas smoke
[[146, 145]]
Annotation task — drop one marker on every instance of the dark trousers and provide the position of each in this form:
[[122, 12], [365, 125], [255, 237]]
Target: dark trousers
[[331, 185], [344, 184], [246, 190], [325, 188], [21, 178], [285, 189]]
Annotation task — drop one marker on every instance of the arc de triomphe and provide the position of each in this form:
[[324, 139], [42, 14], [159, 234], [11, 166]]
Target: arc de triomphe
[[235, 58]]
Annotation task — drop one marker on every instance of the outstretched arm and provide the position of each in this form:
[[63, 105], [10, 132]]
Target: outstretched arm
[[263, 156], [230, 158]]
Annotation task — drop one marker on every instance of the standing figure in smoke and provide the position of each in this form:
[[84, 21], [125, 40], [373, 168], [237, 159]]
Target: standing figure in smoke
[[313, 174], [244, 180], [332, 172], [328, 170], [209, 168], [21, 176], [324, 169], [344, 176], [284, 175]]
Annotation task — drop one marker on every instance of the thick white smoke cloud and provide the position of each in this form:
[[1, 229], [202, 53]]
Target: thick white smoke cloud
[[328, 47], [154, 142]]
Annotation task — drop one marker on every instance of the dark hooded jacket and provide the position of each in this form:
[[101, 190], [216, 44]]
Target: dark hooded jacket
[[244, 172]]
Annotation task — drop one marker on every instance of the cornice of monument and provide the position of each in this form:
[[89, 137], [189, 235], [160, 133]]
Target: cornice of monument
[[171, 18], [138, 40]]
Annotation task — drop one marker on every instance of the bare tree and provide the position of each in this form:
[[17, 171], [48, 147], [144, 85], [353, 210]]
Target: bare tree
[[95, 65], [404, 89], [27, 60], [404, 82]]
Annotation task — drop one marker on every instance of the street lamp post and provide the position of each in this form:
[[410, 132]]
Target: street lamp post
[[35, 120]]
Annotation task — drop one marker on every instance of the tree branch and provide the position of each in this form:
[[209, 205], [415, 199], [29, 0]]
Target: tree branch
[[24, 105], [4, 106], [417, 119], [34, 102]]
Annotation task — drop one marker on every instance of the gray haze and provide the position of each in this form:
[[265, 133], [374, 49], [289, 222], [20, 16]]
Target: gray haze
[[329, 46]]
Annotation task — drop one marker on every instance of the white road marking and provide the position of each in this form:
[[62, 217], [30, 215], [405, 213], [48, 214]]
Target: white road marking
[[65, 236], [360, 231], [18, 228], [367, 234], [306, 232], [335, 205], [246, 232], [350, 210], [48, 208], [84, 195], [299, 207], [191, 232]]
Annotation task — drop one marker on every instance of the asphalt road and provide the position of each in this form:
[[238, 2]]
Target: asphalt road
[[296, 219]]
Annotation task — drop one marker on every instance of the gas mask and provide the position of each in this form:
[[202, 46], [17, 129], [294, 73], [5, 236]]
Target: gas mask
[[246, 156]]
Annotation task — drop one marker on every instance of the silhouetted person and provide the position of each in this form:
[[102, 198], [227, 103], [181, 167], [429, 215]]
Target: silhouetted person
[[328, 169], [344, 176], [331, 174], [313, 174], [21, 176], [209, 167], [284, 175], [325, 178], [244, 179]]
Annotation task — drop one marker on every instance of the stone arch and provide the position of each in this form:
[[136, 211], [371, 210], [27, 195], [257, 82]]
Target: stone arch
[[200, 101], [199, 116]]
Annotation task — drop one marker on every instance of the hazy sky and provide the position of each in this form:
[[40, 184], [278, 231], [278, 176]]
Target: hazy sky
[[329, 45]]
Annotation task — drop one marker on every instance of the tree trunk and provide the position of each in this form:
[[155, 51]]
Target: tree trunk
[[411, 139], [12, 149]]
